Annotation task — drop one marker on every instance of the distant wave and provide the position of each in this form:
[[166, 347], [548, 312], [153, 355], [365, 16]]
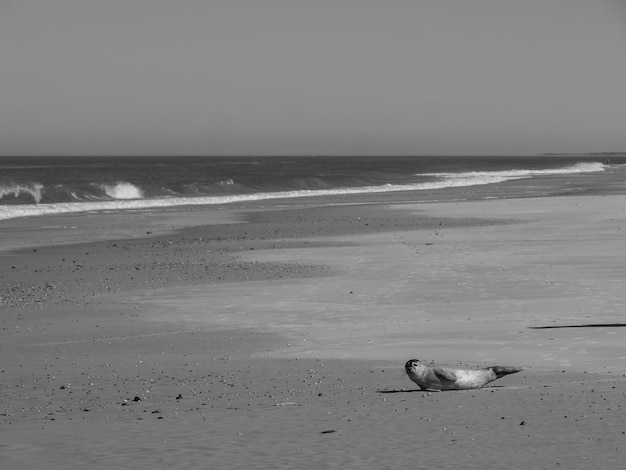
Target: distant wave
[[487, 177], [126, 196]]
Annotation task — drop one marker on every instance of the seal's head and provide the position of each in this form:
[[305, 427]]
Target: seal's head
[[410, 364]]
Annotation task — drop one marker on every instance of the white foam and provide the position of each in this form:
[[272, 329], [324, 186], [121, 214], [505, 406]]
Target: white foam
[[123, 190]]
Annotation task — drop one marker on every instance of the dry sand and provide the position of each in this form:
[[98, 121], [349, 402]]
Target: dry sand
[[275, 337]]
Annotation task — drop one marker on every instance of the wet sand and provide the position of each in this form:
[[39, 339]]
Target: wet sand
[[275, 336]]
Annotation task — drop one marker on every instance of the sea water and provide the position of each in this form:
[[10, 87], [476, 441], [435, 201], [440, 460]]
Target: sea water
[[32, 186]]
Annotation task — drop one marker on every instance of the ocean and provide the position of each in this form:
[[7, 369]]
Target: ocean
[[34, 186]]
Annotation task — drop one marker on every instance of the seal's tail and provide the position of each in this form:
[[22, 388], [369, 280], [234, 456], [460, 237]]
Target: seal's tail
[[501, 371]]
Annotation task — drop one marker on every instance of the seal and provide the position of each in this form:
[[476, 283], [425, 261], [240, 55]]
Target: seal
[[443, 378]]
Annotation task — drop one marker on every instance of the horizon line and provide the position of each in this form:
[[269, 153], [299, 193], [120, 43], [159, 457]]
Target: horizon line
[[284, 155]]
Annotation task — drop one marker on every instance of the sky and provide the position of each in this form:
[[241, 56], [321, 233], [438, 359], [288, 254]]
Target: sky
[[314, 77]]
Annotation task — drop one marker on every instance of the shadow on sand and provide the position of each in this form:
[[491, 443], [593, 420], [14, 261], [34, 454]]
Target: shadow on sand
[[587, 325], [426, 391]]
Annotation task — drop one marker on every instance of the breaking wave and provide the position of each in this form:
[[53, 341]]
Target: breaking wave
[[16, 190], [125, 196], [122, 191]]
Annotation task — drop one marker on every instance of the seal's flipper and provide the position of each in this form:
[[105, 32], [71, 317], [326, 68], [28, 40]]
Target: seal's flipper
[[501, 371]]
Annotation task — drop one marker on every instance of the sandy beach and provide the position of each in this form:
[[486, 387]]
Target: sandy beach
[[274, 336]]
